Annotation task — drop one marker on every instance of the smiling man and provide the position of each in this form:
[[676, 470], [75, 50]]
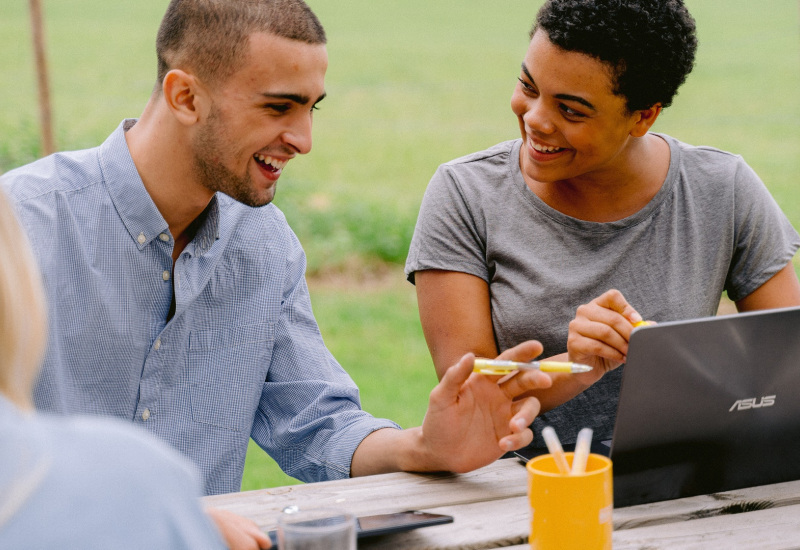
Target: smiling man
[[177, 291]]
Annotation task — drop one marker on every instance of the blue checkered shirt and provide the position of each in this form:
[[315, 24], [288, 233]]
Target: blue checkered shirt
[[241, 357]]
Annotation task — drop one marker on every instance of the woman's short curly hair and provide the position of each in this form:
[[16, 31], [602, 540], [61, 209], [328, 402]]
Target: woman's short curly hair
[[649, 44]]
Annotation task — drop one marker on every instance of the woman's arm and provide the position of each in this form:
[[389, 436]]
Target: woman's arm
[[455, 312], [782, 290], [456, 316]]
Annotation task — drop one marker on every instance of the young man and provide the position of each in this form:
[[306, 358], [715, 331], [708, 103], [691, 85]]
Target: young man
[[177, 292]]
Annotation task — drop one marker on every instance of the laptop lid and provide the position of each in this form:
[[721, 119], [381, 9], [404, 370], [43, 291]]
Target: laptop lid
[[708, 405]]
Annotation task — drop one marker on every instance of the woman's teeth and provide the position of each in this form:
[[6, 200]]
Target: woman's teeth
[[276, 164], [544, 148]]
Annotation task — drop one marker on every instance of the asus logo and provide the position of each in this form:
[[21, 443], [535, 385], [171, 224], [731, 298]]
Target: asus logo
[[744, 404]]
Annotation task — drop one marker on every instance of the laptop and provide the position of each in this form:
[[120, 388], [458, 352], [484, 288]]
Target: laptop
[[708, 405]]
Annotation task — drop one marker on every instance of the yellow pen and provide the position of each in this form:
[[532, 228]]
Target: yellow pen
[[499, 366]]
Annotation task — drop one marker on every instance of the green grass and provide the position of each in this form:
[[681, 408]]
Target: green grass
[[411, 84]]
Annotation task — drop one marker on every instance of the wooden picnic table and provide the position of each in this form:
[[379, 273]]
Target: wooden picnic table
[[491, 510]]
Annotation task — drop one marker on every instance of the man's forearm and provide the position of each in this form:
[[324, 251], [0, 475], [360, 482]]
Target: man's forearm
[[391, 450]]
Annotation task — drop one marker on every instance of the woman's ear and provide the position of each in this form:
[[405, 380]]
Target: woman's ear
[[184, 96], [644, 120]]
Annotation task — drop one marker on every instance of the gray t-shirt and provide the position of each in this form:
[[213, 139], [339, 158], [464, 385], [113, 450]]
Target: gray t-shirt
[[712, 226]]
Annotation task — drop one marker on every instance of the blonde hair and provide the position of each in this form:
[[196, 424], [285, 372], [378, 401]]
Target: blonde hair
[[23, 316]]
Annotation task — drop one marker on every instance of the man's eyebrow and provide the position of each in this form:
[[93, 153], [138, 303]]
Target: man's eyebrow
[[566, 97], [296, 98]]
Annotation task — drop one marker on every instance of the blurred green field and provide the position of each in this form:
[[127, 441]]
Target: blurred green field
[[411, 84]]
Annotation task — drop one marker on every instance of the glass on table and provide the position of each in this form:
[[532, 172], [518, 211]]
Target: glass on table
[[317, 529]]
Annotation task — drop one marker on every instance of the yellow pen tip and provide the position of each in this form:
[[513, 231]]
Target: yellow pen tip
[[642, 324]]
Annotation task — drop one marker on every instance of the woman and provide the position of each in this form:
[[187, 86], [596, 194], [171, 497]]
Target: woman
[[591, 207], [80, 482]]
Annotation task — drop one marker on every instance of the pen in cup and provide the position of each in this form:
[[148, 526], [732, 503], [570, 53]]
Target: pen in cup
[[554, 447], [499, 366], [582, 447]]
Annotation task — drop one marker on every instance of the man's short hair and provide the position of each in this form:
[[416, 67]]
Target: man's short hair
[[648, 44], [210, 37]]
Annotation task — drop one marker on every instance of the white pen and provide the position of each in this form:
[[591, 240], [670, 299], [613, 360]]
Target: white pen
[[554, 446], [582, 447]]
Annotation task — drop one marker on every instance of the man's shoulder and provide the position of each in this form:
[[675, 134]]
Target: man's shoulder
[[60, 172]]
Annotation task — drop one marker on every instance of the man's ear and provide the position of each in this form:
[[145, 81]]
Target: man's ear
[[644, 120], [185, 97]]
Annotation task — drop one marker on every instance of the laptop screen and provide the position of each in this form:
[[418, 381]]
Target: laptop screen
[[708, 405]]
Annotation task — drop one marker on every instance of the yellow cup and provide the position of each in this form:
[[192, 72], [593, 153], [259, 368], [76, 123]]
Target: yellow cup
[[570, 511]]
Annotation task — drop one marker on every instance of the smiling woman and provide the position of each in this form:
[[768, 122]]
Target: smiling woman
[[592, 221]]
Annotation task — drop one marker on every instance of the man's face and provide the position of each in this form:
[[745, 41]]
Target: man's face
[[260, 118]]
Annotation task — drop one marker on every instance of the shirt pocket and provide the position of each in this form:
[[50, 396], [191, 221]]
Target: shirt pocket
[[227, 369]]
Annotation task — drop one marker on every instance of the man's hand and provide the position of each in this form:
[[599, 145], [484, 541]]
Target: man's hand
[[238, 532], [599, 334], [472, 420]]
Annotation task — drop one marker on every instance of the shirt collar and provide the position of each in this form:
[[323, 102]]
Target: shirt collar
[[136, 208], [209, 231]]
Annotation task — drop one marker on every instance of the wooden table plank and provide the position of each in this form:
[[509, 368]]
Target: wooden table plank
[[381, 493], [671, 511], [776, 528], [491, 510]]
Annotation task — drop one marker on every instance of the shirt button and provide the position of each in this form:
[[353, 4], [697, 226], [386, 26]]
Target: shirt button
[[157, 344], [141, 238], [165, 275], [145, 414], [164, 237]]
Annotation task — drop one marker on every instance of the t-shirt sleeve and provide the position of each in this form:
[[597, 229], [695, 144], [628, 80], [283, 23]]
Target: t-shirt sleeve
[[764, 240], [449, 235]]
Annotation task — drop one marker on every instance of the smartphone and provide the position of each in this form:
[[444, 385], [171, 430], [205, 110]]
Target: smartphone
[[385, 524]]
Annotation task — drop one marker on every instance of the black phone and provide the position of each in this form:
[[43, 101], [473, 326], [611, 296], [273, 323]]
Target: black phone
[[386, 524]]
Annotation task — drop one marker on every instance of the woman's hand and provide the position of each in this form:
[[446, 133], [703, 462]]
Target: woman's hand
[[599, 334]]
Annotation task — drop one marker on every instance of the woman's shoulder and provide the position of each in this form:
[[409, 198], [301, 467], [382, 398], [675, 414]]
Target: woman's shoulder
[[496, 155], [704, 158], [130, 487], [122, 444], [708, 169], [495, 166]]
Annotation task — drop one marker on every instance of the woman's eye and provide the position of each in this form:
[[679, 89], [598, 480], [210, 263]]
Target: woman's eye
[[527, 87], [572, 112]]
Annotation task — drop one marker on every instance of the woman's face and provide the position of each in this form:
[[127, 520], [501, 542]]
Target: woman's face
[[572, 124]]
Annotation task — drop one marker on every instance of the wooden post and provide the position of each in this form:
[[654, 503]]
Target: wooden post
[[45, 115]]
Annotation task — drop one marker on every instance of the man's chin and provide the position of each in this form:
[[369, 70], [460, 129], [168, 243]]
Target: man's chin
[[252, 200]]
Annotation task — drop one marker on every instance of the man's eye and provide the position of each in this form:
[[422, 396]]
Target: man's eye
[[278, 107]]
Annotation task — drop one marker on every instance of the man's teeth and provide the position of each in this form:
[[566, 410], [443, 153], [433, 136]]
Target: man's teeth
[[544, 148], [277, 164]]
